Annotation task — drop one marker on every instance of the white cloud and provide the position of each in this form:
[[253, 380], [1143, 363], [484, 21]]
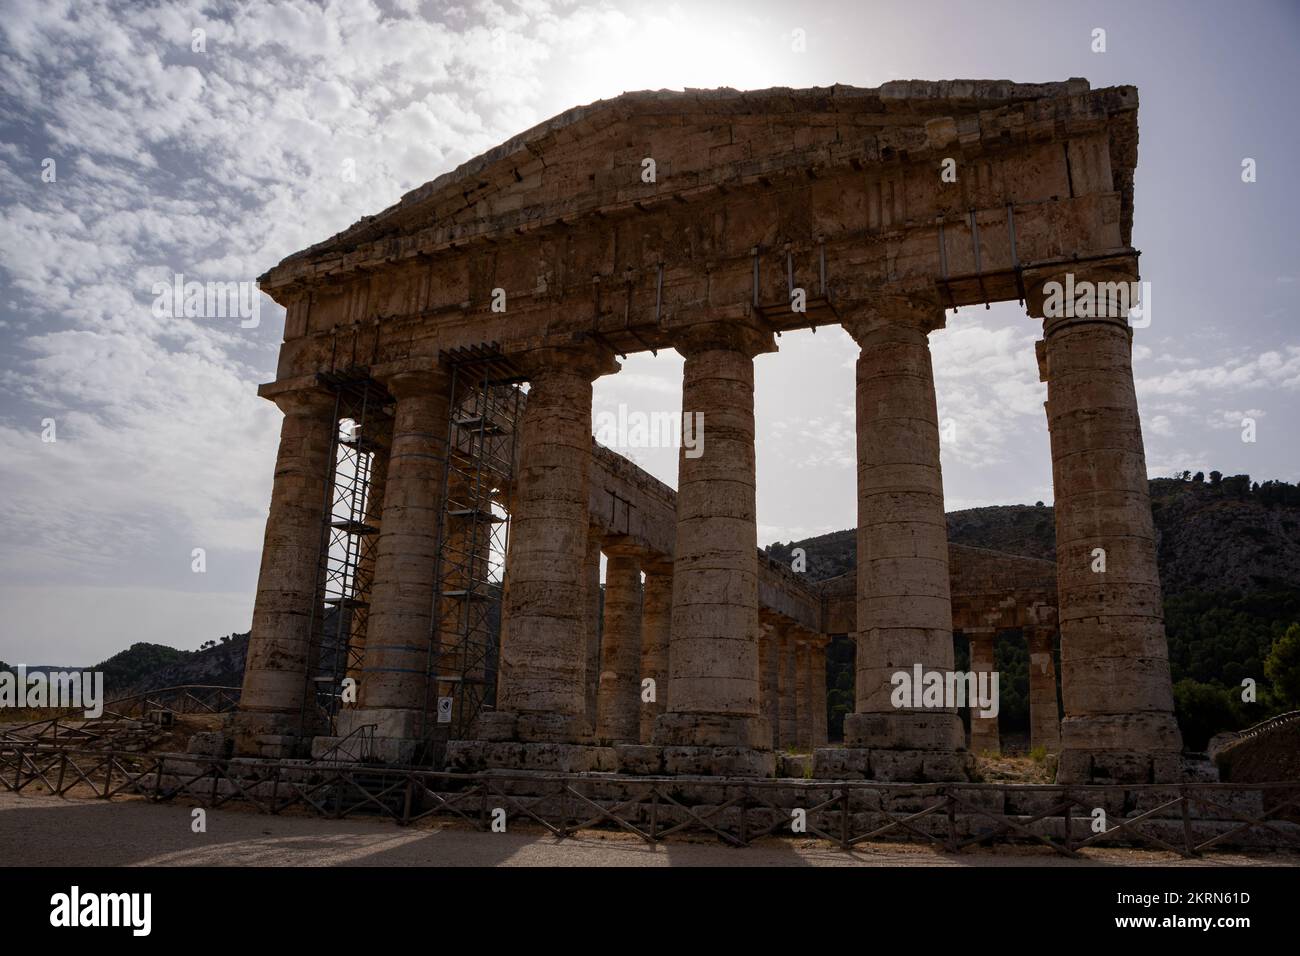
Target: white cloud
[[1273, 368], [213, 164]]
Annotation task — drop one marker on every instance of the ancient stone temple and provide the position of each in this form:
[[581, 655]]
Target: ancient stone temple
[[430, 582]]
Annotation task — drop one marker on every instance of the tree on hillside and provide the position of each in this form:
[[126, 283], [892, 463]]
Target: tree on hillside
[[1203, 710], [1282, 668], [1238, 486]]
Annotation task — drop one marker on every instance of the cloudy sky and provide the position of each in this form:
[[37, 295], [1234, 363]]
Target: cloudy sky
[[130, 151]]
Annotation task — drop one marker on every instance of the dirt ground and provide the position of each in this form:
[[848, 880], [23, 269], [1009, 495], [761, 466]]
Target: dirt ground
[[50, 831]]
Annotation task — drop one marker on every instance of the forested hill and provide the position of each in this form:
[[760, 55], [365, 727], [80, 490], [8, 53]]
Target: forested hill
[[1219, 534]]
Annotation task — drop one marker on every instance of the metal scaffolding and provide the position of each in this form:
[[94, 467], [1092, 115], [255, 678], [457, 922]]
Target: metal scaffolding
[[473, 533], [349, 535]]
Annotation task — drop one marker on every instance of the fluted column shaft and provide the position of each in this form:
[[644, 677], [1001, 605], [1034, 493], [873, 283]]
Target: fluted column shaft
[[803, 696], [904, 610], [618, 717], [788, 686], [542, 679], [656, 635], [984, 736], [818, 692], [275, 677], [1044, 708], [713, 698], [1115, 680], [769, 667], [592, 619], [394, 686]]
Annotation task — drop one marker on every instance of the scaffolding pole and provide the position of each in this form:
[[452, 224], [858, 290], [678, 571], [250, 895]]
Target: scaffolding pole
[[349, 535], [473, 535]]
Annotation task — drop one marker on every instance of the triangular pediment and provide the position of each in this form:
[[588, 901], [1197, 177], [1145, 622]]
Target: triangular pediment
[[591, 160]]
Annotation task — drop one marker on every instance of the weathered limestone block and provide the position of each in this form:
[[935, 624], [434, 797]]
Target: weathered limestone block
[[275, 675], [618, 719], [989, 801], [706, 761], [841, 763], [898, 765], [640, 759], [552, 757], [795, 766], [1028, 803], [210, 744]]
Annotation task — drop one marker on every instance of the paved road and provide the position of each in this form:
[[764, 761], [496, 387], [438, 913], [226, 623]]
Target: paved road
[[42, 830]]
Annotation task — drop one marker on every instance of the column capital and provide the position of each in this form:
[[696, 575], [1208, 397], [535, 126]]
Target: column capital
[[589, 359], [747, 335], [1096, 291], [621, 546], [307, 402], [407, 383], [918, 312]]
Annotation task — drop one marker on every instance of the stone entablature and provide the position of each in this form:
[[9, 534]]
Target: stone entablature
[[838, 182], [982, 581]]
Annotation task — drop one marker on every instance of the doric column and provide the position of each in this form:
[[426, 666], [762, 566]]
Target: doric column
[[983, 730], [769, 683], [618, 708], [591, 581], [818, 690], [394, 685], [656, 634], [1119, 722], [713, 698], [275, 675], [803, 696], [541, 685], [1044, 709], [903, 607], [788, 679]]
